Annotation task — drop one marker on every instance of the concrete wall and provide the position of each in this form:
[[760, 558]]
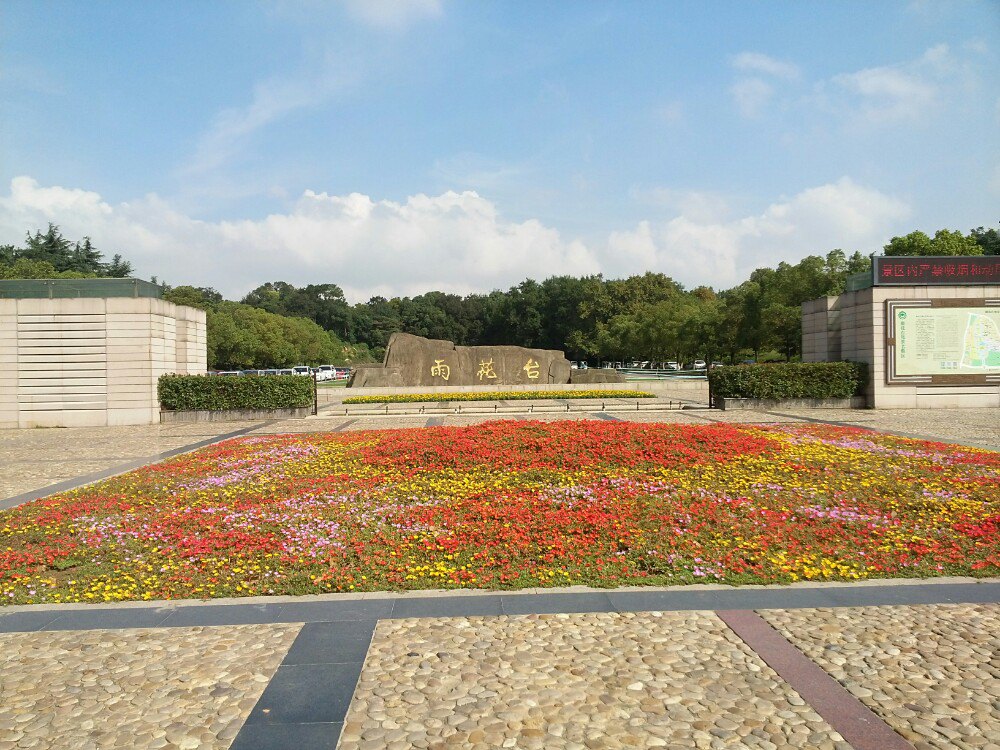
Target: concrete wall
[[93, 362], [821, 330], [857, 321]]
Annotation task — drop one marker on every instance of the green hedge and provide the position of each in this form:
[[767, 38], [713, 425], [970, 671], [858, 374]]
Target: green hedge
[[789, 380], [218, 392]]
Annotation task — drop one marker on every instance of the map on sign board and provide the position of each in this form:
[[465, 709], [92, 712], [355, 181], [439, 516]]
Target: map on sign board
[[942, 341]]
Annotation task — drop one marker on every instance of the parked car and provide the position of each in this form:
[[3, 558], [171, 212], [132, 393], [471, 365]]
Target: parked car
[[672, 366], [305, 370], [699, 364]]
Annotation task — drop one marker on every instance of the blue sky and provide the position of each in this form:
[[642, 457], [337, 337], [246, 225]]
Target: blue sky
[[396, 147]]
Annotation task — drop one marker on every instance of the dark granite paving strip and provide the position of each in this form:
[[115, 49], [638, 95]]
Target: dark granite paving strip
[[26, 622], [344, 425], [335, 611], [223, 614], [542, 604], [910, 435], [833, 596], [70, 484], [845, 713], [494, 604], [447, 606], [109, 619], [606, 416], [319, 736], [331, 643], [435, 421], [304, 704]]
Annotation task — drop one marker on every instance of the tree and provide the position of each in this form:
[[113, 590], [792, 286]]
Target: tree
[[119, 268], [945, 242], [50, 255], [204, 298], [987, 239]]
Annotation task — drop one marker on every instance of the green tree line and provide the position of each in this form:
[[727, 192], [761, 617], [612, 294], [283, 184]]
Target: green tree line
[[647, 317], [52, 256]]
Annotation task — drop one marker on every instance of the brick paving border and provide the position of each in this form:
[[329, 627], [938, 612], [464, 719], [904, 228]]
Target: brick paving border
[[846, 714]]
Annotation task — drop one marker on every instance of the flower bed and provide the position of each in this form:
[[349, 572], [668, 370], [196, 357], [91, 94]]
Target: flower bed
[[413, 398], [512, 504]]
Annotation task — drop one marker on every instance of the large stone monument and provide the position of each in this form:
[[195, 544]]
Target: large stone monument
[[415, 361]]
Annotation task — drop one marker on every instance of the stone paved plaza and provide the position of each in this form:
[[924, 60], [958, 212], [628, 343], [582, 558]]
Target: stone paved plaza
[[895, 664]]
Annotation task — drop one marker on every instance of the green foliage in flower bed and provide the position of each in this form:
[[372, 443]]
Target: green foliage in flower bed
[[214, 392], [411, 398], [789, 380]]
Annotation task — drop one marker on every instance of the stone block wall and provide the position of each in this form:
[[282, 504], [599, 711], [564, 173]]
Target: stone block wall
[[855, 331], [92, 362]]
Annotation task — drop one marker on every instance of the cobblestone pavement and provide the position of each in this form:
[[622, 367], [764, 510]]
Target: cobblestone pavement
[[36, 458], [931, 673], [608, 680], [177, 689]]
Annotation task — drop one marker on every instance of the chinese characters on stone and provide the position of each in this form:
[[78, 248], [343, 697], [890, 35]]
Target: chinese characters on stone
[[532, 369], [440, 370], [486, 370]]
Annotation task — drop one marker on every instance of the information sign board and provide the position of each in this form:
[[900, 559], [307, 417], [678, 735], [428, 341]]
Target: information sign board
[[943, 341]]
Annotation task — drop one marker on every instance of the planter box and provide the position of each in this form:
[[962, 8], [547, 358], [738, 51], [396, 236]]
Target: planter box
[[233, 415], [856, 402]]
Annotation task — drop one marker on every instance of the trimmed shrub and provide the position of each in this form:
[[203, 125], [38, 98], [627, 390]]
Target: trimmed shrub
[[415, 398], [217, 393], [790, 380]]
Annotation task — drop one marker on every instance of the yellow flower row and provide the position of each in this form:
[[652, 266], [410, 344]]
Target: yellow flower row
[[411, 398]]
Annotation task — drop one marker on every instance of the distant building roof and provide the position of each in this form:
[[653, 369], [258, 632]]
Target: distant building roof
[[77, 288]]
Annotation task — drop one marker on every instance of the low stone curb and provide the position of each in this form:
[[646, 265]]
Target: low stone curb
[[855, 402], [525, 406], [695, 588], [233, 415]]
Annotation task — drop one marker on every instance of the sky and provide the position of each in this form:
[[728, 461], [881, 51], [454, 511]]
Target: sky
[[395, 147]]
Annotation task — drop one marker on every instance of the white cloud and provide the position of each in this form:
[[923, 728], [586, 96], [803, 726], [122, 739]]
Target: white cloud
[[698, 205], [754, 90], [393, 14], [452, 242], [752, 96], [456, 242], [888, 94], [721, 252], [757, 62], [273, 98], [906, 92]]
